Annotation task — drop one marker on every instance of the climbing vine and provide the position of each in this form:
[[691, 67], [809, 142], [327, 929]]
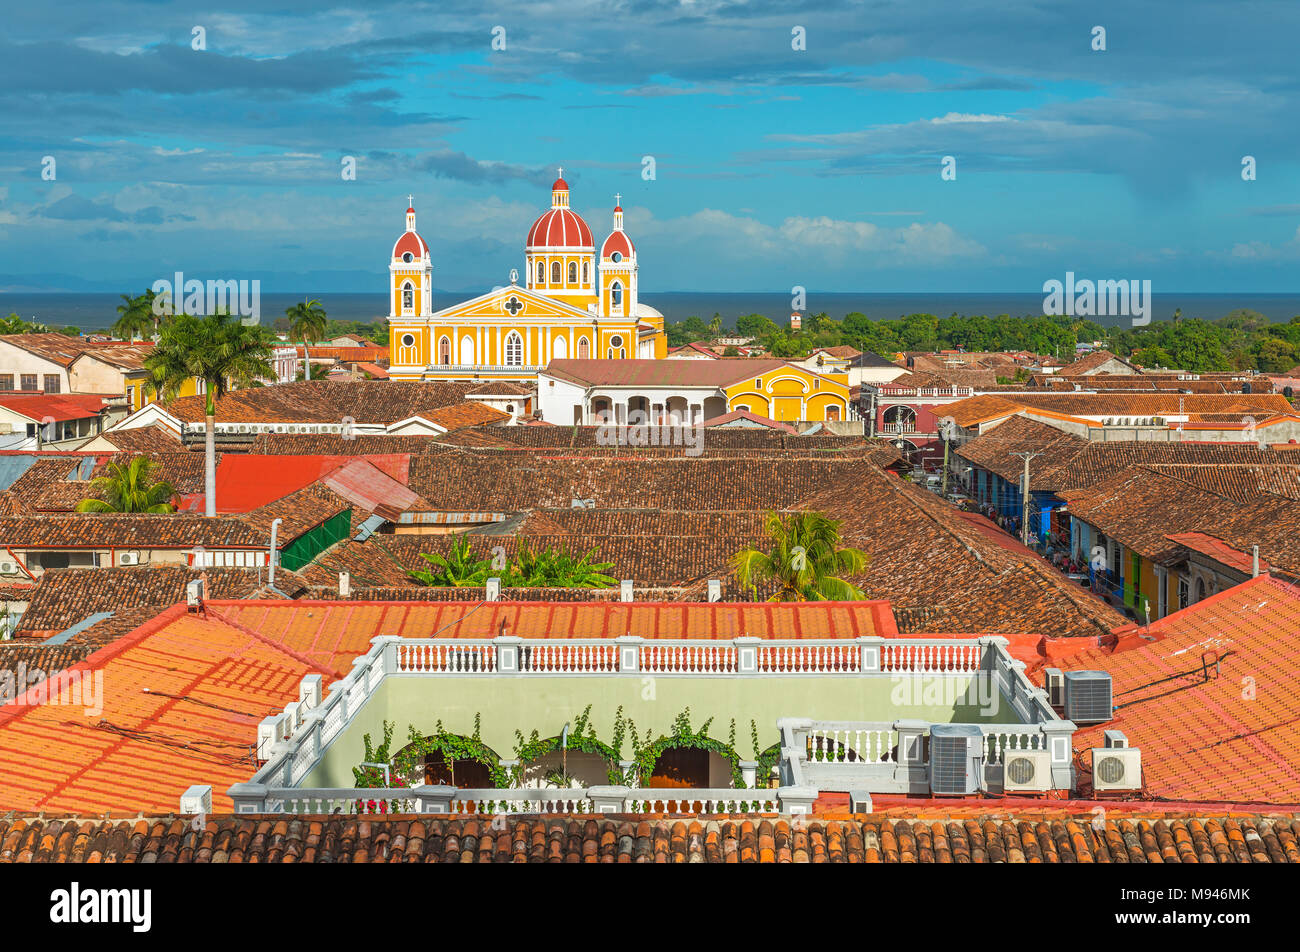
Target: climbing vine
[[453, 748], [581, 738], [682, 735]]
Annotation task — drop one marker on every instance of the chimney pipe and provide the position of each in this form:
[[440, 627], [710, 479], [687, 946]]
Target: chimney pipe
[[1254, 561], [275, 525]]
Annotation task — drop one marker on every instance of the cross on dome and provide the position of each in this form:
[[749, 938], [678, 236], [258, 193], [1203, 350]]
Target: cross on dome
[[561, 170], [410, 200]]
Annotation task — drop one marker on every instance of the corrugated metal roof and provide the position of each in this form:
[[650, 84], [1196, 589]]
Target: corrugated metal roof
[[78, 628], [11, 467]]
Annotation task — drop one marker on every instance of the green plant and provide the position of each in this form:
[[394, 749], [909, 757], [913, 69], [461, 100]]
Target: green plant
[[136, 318], [307, 322], [682, 735], [545, 568], [803, 559], [129, 488], [220, 352]]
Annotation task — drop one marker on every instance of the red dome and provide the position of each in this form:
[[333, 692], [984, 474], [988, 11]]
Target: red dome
[[560, 185], [560, 228], [617, 241], [412, 242]]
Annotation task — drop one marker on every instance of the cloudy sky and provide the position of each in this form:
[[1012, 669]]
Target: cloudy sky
[[773, 166]]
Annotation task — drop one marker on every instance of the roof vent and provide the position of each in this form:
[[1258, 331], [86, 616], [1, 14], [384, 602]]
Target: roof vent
[[956, 759], [1088, 697]]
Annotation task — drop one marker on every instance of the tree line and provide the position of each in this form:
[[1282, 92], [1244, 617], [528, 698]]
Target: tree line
[[1243, 340]]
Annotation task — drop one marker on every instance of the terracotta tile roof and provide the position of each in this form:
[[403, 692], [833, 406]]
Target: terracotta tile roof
[[124, 356], [1092, 361], [1181, 697], [335, 444], [993, 449], [500, 388], [1239, 481], [840, 350], [1142, 508], [897, 836], [662, 373], [1151, 382], [1218, 550], [348, 354], [924, 553], [59, 348], [39, 657], [64, 597], [144, 439], [761, 421], [348, 626], [85, 530], [469, 413], [983, 408], [187, 695], [326, 401]]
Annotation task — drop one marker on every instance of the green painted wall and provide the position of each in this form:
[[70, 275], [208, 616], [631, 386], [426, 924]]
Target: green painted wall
[[509, 703]]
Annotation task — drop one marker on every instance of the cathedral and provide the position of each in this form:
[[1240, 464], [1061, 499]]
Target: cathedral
[[575, 302]]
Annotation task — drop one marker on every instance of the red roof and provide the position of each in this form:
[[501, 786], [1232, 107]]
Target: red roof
[[56, 406], [246, 482], [1218, 550], [617, 241], [412, 242], [1210, 694], [560, 228], [752, 417]]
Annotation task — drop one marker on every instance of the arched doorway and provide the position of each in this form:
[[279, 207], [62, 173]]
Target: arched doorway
[[899, 419], [439, 771], [683, 767]]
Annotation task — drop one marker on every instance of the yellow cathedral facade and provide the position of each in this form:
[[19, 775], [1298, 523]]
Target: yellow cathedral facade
[[576, 301]]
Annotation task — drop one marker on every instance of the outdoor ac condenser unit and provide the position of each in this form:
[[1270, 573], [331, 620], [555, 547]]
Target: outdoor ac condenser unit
[[8, 568], [956, 759], [129, 558], [1088, 697], [1116, 768], [1026, 771]]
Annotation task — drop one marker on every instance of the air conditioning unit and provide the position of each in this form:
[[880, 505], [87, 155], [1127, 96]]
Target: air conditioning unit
[[1116, 768], [1026, 771], [1088, 697], [956, 759], [8, 568], [1054, 681], [129, 558]]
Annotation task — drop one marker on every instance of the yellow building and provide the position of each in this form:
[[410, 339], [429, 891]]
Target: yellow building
[[575, 303], [676, 392]]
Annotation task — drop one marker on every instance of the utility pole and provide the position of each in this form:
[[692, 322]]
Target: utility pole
[[1024, 496]]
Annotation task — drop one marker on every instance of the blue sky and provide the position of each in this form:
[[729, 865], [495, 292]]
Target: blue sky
[[774, 167]]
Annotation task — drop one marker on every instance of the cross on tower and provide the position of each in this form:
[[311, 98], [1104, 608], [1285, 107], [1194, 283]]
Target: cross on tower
[[410, 201], [618, 198], [514, 305], [561, 171]]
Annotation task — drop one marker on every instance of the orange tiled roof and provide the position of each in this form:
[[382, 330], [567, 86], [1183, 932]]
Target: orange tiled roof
[[1212, 701]]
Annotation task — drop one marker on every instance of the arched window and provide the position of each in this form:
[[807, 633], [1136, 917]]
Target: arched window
[[616, 295], [514, 350], [467, 350], [573, 272], [586, 272], [541, 272], [444, 352], [555, 272], [408, 296], [584, 349]]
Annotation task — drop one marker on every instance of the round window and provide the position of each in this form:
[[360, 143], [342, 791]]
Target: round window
[[616, 341], [408, 340], [408, 257], [616, 257]]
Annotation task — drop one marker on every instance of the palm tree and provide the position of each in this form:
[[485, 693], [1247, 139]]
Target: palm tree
[[136, 319], [306, 322], [129, 488], [222, 353], [803, 558]]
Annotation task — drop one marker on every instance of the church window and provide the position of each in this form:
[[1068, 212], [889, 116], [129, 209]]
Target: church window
[[541, 272], [573, 272], [584, 349], [616, 295], [616, 257], [408, 296], [555, 272], [408, 257], [514, 350], [616, 341], [586, 272], [408, 340]]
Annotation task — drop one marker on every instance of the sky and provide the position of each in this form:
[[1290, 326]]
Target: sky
[[744, 162]]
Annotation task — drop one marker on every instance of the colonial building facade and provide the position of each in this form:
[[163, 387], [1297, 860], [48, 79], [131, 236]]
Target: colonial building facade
[[575, 302]]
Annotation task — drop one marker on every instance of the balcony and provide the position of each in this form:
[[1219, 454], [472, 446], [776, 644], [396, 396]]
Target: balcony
[[307, 752]]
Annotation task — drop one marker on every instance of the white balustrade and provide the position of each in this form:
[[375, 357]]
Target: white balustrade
[[902, 656], [998, 739], [687, 658], [864, 743]]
